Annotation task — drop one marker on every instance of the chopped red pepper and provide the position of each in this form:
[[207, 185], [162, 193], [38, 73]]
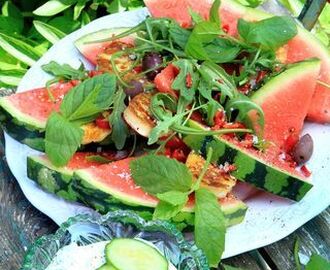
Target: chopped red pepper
[[179, 155], [101, 122], [137, 69], [175, 143]]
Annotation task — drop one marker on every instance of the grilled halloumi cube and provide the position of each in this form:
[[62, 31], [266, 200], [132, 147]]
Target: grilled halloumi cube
[[215, 179], [137, 115], [93, 133]]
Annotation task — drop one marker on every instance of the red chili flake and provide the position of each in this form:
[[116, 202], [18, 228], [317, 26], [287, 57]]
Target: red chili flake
[[225, 28], [305, 171], [188, 80]]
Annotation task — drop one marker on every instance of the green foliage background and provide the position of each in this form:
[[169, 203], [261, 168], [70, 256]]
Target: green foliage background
[[29, 27]]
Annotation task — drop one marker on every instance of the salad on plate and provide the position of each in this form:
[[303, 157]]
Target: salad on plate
[[178, 111]]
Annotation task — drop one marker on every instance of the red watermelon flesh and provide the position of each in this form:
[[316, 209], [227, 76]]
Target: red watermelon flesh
[[285, 100], [301, 47], [37, 104]]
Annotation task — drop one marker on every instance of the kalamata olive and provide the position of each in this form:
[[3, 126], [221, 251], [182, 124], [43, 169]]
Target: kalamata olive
[[303, 150], [152, 61], [135, 88]]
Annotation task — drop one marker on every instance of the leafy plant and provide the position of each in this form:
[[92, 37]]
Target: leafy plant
[[29, 28]]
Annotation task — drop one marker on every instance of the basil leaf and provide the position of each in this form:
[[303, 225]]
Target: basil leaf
[[120, 130], [159, 174], [62, 139], [222, 50], [174, 197], [316, 262], [269, 33], [89, 98], [65, 71], [179, 35], [166, 211], [210, 228], [214, 13]]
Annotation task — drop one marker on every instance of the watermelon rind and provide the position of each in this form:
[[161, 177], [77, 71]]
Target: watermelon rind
[[50, 178], [250, 168], [80, 186]]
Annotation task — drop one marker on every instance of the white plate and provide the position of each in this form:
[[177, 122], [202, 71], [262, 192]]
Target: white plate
[[268, 219]]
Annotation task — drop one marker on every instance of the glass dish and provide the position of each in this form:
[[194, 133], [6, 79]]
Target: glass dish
[[86, 229]]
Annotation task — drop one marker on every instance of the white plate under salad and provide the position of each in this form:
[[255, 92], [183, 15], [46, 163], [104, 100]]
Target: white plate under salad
[[268, 219]]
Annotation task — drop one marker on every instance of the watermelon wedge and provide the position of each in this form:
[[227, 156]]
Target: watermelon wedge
[[107, 186], [285, 100], [91, 50], [301, 47], [24, 115]]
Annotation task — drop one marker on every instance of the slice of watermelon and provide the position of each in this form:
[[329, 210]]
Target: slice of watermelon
[[24, 115], [285, 100], [91, 50], [107, 186], [301, 47]]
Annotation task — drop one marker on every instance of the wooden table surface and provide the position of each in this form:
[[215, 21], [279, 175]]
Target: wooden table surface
[[21, 224]]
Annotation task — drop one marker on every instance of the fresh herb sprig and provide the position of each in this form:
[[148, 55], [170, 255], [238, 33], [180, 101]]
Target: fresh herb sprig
[[172, 183], [81, 105]]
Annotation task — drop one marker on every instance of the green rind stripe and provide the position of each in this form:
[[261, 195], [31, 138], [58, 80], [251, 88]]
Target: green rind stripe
[[55, 181], [250, 169], [21, 131]]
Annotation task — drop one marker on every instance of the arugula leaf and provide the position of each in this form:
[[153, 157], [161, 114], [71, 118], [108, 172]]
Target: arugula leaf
[[249, 113], [196, 18], [316, 262], [186, 73], [179, 35], [269, 33], [174, 197], [159, 174], [166, 211], [65, 71], [89, 98], [62, 139], [210, 228], [120, 130]]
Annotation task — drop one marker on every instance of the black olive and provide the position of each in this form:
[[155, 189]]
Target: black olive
[[303, 150], [135, 88], [151, 61]]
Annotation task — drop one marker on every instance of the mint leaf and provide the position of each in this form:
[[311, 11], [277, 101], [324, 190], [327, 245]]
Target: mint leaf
[[65, 71], [159, 174], [222, 50], [210, 228], [120, 131], [316, 262], [214, 12], [179, 35], [174, 197], [89, 98], [166, 211], [62, 139], [269, 33]]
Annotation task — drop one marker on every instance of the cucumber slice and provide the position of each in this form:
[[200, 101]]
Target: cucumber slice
[[106, 267], [132, 254]]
